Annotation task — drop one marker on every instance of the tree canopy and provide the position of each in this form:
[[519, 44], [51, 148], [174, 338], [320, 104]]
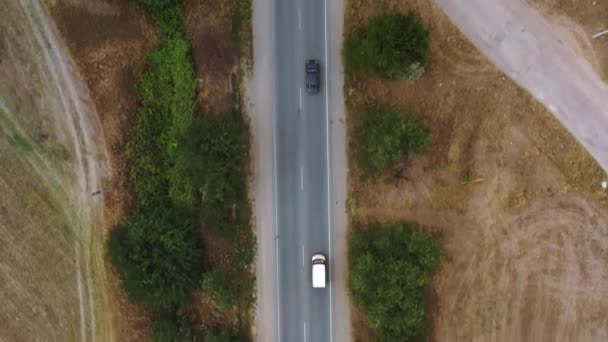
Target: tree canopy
[[385, 137], [159, 256], [389, 267], [390, 46]]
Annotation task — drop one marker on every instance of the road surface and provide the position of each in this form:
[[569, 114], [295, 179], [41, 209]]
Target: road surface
[[299, 141], [302, 172], [523, 45]]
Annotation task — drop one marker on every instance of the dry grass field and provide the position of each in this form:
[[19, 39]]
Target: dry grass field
[[516, 202], [52, 158]]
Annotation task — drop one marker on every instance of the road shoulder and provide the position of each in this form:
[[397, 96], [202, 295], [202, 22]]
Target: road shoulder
[[337, 122], [262, 114]]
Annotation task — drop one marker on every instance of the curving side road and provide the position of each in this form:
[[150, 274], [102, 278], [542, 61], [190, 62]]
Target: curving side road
[[520, 42]]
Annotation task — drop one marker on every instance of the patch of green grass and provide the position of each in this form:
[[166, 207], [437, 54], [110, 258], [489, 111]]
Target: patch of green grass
[[20, 143]]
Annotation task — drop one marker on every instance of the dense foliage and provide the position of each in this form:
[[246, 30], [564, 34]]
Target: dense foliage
[[157, 251], [183, 170], [159, 256], [216, 153], [391, 46], [224, 290], [158, 3], [165, 331], [389, 267], [386, 136], [184, 329]]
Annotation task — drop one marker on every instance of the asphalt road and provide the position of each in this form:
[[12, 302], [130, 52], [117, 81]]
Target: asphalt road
[[301, 172]]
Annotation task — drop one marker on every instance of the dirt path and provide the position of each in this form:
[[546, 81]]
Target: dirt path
[[525, 47], [45, 103]]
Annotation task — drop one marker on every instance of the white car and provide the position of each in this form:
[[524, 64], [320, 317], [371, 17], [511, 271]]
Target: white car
[[319, 271]]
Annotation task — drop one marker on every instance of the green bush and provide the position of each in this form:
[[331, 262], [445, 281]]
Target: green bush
[[224, 335], [166, 92], [159, 256], [389, 267], [214, 158], [159, 3], [391, 46], [224, 289], [386, 137], [165, 331]]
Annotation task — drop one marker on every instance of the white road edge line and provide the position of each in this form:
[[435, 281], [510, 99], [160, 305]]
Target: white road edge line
[[276, 226], [331, 328], [301, 178]]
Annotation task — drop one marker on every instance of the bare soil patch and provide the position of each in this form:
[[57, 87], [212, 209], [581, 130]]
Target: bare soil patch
[[216, 54], [109, 41], [517, 202]]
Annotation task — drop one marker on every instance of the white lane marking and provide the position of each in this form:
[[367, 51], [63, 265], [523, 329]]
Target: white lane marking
[[299, 19], [301, 178], [331, 328], [300, 94], [276, 227], [304, 331], [302, 255]]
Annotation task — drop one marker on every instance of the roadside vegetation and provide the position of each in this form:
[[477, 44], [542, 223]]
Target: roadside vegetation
[[389, 268], [389, 263], [188, 175], [386, 137], [390, 46]]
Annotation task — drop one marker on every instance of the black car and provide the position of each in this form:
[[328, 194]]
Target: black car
[[313, 76]]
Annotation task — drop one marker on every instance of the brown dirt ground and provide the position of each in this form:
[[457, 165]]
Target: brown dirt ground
[[109, 40], [215, 55], [516, 201]]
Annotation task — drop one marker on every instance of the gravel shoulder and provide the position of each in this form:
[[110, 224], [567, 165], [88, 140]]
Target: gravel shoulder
[[263, 114], [341, 302]]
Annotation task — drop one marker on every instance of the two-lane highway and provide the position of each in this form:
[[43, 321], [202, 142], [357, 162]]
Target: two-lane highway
[[301, 172]]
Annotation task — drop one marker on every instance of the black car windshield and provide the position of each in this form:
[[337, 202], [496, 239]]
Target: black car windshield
[[312, 78]]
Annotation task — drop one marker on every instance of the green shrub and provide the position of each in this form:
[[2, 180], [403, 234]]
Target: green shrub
[[386, 137], [391, 46], [165, 331], [166, 92], [159, 3], [224, 288], [158, 256], [224, 335], [215, 155], [389, 267]]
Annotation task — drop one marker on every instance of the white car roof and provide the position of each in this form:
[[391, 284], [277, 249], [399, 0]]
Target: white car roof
[[318, 275]]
